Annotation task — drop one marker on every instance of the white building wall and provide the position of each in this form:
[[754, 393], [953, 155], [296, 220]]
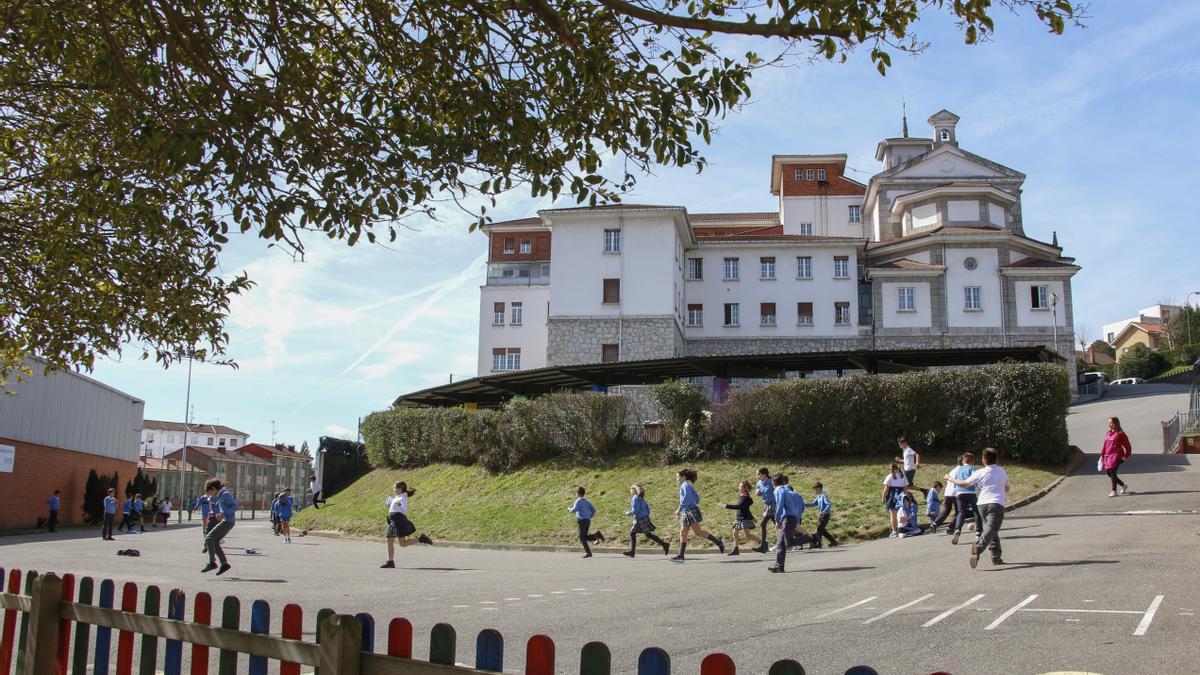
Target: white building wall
[[1027, 316], [963, 210], [924, 215], [73, 412], [530, 336], [986, 275], [750, 290], [894, 317], [159, 442], [830, 216], [644, 266]]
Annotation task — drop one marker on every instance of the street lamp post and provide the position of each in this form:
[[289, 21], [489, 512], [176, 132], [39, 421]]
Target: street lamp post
[[1054, 317], [1188, 303], [183, 463]]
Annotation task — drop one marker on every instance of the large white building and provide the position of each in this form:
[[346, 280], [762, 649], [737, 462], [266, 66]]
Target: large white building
[[159, 438], [930, 253]]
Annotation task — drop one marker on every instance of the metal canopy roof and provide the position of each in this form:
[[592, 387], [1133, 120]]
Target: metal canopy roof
[[495, 389]]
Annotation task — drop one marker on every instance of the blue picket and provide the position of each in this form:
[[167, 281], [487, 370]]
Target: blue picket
[[654, 661], [489, 651], [260, 623], [104, 634], [368, 631], [173, 654], [862, 670]]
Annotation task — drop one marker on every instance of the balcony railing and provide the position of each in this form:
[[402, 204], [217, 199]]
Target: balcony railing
[[518, 274]]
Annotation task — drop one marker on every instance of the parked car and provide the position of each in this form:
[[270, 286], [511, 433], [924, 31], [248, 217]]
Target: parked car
[[1127, 380], [1103, 377]]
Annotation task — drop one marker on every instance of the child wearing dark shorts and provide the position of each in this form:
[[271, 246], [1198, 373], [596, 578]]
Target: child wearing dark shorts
[[744, 520], [399, 526]]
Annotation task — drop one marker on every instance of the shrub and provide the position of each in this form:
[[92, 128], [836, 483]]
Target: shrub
[[1019, 409], [1143, 362], [677, 401]]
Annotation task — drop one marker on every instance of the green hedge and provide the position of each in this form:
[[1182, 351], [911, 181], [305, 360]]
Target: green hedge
[[580, 425], [1020, 409]]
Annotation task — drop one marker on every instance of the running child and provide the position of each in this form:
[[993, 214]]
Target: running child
[[640, 510], [689, 515], [399, 526], [584, 511], [824, 511], [743, 521], [965, 494], [224, 515], [286, 502], [766, 492], [789, 507], [949, 505]]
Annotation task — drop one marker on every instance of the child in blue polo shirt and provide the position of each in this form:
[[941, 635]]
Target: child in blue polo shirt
[[139, 505], [933, 503], [640, 510], [54, 501], [110, 513], [584, 510], [766, 492], [824, 511], [285, 514]]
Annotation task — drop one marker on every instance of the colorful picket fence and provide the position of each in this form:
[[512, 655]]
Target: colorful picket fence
[[64, 625]]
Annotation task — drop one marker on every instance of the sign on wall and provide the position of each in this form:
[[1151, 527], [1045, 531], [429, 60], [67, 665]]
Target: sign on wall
[[8, 455]]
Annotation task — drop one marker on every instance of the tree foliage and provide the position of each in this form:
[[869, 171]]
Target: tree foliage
[[1143, 362], [1187, 318], [94, 492], [140, 135]]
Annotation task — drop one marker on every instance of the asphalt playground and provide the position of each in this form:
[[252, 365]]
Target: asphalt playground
[[1091, 583]]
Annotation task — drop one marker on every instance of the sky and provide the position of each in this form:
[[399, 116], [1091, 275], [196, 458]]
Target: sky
[[1103, 121]]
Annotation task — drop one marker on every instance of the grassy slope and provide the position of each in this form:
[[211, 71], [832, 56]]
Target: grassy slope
[[529, 506]]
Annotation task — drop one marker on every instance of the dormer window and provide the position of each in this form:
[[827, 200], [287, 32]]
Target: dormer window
[[945, 135]]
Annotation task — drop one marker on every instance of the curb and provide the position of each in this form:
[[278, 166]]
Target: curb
[[1073, 463], [545, 548]]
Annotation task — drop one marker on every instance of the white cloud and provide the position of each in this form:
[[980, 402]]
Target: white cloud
[[339, 431], [393, 357]]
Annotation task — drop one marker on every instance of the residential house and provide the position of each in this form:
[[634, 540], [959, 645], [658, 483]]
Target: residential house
[[249, 478], [1152, 335], [1154, 314], [160, 438], [292, 468]]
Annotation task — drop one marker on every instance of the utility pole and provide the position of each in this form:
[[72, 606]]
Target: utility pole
[[272, 432]]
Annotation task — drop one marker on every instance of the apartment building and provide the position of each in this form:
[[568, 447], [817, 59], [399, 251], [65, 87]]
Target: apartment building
[[931, 252], [160, 438]]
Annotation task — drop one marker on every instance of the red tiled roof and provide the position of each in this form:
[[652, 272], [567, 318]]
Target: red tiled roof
[[159, 425], [1156, 329], [771, 237], [772, 216]]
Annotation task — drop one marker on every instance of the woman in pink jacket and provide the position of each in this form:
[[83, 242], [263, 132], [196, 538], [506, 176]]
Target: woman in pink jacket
[[1116, 450]]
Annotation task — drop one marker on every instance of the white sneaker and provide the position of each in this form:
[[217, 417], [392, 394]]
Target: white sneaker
[[1113, 493], [774, 549], [1124, 489]]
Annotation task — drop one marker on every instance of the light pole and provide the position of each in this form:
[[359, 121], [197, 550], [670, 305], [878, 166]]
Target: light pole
[[187, 406], [1054, 317], [1188, 303]]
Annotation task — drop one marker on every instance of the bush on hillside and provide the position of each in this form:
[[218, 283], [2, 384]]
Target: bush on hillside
[[1143, 362], [1019, 409], [584, 426]]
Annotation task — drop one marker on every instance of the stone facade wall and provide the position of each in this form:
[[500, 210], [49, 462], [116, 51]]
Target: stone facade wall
[[745, 346], [578, 340]]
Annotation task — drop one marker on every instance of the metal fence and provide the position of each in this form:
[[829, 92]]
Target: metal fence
[[1184, 422]]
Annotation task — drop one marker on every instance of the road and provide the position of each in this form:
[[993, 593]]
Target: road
[[1092, 583]]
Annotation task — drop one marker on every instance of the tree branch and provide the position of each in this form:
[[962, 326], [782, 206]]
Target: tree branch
[[784, 30]]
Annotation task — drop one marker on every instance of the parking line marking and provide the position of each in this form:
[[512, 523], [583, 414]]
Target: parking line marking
[[535, 595], [952, 610], [511, 599], [487, 602], [892, 611], [1011, 610], [459, 606], [557, 592], [1144, 625], [860, 602], [1086, 611], [579, 589]]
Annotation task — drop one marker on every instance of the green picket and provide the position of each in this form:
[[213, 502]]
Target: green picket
[[23, 631], [79, 664], [150, 607], [786, 667], [321, 614], [595, 659], [442, 644], [231, 614]]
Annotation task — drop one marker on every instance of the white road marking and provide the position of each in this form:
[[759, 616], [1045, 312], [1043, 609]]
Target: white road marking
[[511, 599], [1144, 625], [459, 606], [535, 595], [950, 611], [860, 602], [579, 589], [1187, 614], [557, 592], [893, 610], [607, 590], [489, 609], [487, 602], [1011, 610], [1086, 611]]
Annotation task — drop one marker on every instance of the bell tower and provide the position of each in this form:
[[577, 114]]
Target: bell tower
[[943, 123]]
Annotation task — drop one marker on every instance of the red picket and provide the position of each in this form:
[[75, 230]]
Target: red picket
[[129, 594], [293, 629], [539, 656], [64, 626], [717, 664], [201, 614], [8, 638], [400, 638]]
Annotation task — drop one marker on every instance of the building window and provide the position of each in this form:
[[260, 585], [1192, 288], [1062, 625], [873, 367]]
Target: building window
[[731, 314], [973, 298], [804, 314], [799, 175], [612, 291], [221, 442], [506, 358], [612, 241], [1110, 337], [610, 353], [768, 267], [1039, 297], [508, 245], [841, 267], [526, 246], [695, 315], [209, 440], [906, 301], [841, 313], [498, 314], [809, 174], [518, 313], [821, 174], [766, 314], [806, 229], [804, 267], [695, 269], [149, 438], [731, 269], [856, 214]]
